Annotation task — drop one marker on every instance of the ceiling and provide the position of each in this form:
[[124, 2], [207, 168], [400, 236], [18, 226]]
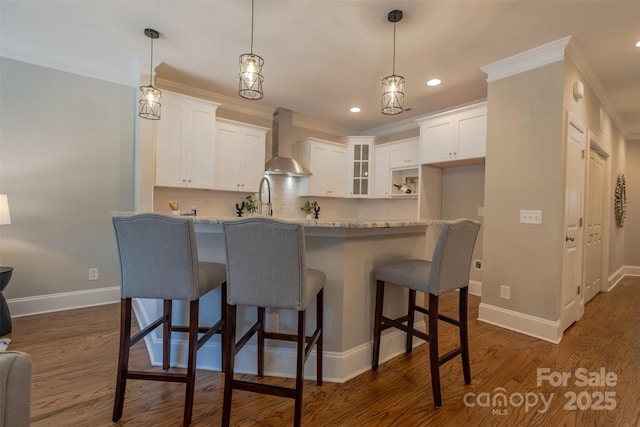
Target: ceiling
[[324, 56]]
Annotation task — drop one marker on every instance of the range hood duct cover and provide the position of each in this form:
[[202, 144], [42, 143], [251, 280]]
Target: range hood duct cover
[[282, 165]]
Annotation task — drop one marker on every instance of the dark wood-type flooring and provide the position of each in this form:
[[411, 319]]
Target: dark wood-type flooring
[[74, 357]]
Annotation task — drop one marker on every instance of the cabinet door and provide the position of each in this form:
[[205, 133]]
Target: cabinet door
[[400, 155], [437, 140], [200, 145], [170, 151], [254, 159], [383, 175], [337, 170], [472, 136], [228, 158], [360, 159]]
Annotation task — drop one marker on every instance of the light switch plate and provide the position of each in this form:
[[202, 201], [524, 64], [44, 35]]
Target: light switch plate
[[531, 217]]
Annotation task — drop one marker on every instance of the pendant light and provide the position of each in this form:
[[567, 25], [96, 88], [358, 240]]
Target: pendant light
[[251, 71], [150, 96], [393, 86]]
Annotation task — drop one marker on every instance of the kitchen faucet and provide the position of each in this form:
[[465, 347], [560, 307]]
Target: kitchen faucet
[[269, 211]]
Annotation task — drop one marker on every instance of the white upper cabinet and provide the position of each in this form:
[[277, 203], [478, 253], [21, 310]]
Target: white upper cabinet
[[185, 138], [453, 136], [360, 165], [240, 156], [405, 153], [327, 161], [382, 172]]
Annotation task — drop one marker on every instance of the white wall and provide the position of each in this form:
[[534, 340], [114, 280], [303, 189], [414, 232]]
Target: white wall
[[66, 164]]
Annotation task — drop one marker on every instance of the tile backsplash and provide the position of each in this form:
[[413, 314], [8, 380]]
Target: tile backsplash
[[285, 202]]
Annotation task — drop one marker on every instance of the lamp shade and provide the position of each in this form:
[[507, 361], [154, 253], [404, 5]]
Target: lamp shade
[[5, 215]]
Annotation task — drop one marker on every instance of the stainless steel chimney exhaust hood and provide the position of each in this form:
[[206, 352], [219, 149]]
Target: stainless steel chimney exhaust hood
[[281, 165]]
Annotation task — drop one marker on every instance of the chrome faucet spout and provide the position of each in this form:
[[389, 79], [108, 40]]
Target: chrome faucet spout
[[262, 181]]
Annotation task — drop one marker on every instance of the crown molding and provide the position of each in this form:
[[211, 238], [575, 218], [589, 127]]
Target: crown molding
[[527, 60]]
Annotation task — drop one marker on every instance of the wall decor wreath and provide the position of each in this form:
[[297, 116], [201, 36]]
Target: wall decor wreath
[[620, 200]]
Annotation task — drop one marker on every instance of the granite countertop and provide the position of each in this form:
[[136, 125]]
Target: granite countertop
[[317, 223], [332, 223]]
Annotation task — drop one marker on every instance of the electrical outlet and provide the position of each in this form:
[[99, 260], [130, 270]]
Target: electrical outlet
[[93, 274], [477, 264], [505, 292], [273, 322]]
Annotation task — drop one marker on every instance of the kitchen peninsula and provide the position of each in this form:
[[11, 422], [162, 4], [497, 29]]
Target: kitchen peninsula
[[346, 251]]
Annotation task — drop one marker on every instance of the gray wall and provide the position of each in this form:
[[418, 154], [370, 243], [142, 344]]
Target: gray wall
[[632, 221], [524, 170], [462, 195], [67, 145]]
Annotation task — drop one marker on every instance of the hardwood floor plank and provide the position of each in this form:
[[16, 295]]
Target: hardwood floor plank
[[74, 357]]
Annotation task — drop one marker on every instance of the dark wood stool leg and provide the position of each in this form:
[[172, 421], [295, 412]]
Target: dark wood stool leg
[[297, 417], [319, 325], [223, 308], [229, 356], [166, 334], [191, 360], [123, 357], [261, 342], [464, 334], [433, 350], [377, 325], [410, 320]]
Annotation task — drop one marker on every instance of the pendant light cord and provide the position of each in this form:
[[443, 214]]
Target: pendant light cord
[[151, 65], [394, 49], [252, 8]]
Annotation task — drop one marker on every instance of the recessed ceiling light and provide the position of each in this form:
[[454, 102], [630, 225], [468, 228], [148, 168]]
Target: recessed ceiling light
[[434, 82], [638, 44], [355, 109]]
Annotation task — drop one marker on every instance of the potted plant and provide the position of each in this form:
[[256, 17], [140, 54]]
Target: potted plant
[[310, 208], [251, 204]]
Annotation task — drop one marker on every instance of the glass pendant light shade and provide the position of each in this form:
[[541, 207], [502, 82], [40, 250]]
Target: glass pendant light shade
[[149, 95], [393, 85], [149, 103], [393, 94], [251, 76]]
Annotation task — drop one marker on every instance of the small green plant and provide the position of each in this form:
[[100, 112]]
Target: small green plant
[[250, 204], [309, 207]]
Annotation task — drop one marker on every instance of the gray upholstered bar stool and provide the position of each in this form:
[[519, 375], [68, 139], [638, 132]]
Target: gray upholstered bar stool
[[159, 260], [448, 270], [266, 269]]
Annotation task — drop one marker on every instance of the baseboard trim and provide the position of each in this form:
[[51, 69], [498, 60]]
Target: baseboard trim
[[519, 322], [625, 270], [281, 361], [28, 306], [475, 288]]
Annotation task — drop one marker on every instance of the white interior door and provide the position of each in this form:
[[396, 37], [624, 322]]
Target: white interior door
[[595, 218], [572, 308]]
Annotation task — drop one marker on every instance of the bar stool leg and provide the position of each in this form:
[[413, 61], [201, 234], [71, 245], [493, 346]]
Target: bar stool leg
[[261, 327], [377, 326], [411, 315], [301, 344], [166, 333], [464, 334], [319, 325], [433, 350], [229, 357], [123, 357]]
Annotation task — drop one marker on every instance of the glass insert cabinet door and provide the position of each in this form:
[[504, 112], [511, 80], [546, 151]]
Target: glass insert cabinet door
[[361, 158]]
